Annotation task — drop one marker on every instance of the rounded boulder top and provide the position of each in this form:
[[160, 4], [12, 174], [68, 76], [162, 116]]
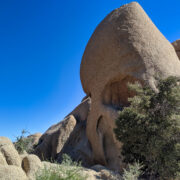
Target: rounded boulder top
[[126, 46]]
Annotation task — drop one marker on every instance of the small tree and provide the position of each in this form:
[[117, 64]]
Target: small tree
[[23, 143], [149, 128]]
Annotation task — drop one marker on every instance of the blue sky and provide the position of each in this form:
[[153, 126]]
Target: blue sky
[[41, 45]]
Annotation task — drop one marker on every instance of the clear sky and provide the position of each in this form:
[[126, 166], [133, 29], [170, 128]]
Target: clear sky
[[41, 45]]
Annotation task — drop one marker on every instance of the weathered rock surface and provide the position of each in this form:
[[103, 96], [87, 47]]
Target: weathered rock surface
[[35, 138], [9, 153], [125, 47], [2, 160], [12, 173], [77, 146], [176, 45], [98, 167], [68, 136], [10, 161], [14, 166], [82, 110], [31, 164], [53, 140]]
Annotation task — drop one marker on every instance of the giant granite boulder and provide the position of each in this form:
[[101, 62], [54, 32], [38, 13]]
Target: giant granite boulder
[[125, 47], [68, 137], [176, 45]]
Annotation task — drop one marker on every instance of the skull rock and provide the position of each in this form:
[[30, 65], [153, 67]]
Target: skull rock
[[125, 47]]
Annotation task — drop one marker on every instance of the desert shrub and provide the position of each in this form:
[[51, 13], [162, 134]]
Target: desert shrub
[[67, 161], [22, 143], [67, 170], [132, 172], [149, 129], [59, 173]]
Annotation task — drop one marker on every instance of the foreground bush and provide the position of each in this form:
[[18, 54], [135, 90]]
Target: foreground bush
[[133, 172], [149, 129], [67, 170]]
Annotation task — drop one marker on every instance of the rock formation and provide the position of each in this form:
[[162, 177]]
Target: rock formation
[[12, 173], [55, 137], [26, 166], [15, 166], [10, 161], [68, 136], [176, 45], [31, 164], [125, 47], [8, 153], [34, 138]]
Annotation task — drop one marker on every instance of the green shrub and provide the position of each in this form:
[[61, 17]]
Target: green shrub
[[149, 129], [59, 173], [23, 143], [67, 161], [132, 172], [67, 170]]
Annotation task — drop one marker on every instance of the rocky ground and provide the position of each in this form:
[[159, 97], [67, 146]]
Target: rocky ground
[[14, 166]]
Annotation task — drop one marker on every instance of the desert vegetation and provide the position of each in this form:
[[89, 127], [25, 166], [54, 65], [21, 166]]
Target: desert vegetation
[[149, 129], [22, 143], [133, 172], [67, 170]]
